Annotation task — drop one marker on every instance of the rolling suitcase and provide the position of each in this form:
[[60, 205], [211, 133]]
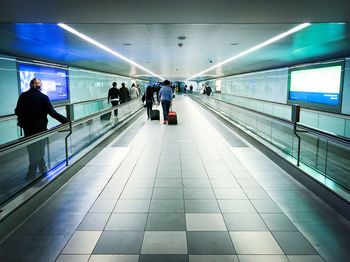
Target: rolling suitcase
[[106, 116], [172, 118], [155, 114]]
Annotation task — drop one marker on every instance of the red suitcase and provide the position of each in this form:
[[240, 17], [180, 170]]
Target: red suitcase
[[172, 118]]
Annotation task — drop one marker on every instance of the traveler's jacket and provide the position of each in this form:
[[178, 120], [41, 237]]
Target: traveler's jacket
[[32, 110]]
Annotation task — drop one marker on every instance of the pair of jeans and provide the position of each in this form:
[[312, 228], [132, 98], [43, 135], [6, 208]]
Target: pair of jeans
[[166, 107], [115, 103], [149, 105]]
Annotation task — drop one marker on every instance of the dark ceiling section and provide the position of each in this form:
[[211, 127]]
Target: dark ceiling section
[[179, 11]]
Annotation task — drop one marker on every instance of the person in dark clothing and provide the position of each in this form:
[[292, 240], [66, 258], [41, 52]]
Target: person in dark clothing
[[113, 96], [32, 110], [124, 94], [149, 100], [208, 90], [191, 89]]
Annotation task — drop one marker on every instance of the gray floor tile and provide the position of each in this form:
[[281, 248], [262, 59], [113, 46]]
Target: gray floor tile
[[305, 258], [266, 206], [278, 222], [167, 206], [94, 222], [244, 222], [73, 258], [201, 206], [166, 222], [114, 258], [167, 174], [103, 206], [213, 258], [258, 243], [205, 222], [194, 174], [163, 258], [168, 182], [196, 182], [236, 206], [209, 243], [41, 223], [262, 258], [198, 193], [164, 242], [132, 206], [229, 193], [125, 221], [82, 242], [137, 193], [224, 183], [167, 193], [138, 182], [32, 248], [119, 242], [294, 243]]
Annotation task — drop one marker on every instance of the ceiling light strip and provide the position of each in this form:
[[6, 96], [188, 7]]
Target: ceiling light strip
[[250, 50], [107, 49]]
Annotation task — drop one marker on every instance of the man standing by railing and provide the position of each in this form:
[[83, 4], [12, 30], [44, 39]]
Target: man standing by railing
[[32, 110]]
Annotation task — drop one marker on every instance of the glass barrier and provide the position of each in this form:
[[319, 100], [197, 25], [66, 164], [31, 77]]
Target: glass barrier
[[326, 155], [40, 156], [327, 122], [9, 131]]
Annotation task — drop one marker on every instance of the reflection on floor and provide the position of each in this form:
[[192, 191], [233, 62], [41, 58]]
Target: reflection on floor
[[181, 193]]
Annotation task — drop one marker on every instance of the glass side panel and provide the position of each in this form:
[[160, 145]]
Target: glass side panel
[[331, 160], [338, 164], [20, 167]]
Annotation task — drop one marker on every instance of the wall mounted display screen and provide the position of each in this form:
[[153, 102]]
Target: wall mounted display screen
[[320, 85], [54, 80]]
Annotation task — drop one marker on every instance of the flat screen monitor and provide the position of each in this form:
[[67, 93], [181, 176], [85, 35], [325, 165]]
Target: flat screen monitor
[[317, 87], [54, 80]]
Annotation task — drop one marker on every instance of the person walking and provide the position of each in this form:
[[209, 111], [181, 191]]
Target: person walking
[[134, 92], [113, 97], [32, 110], [149, 98], [124, 94], [165, 96]]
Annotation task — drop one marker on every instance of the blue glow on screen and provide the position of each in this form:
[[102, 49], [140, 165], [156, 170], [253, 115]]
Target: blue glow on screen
[[54, 80]]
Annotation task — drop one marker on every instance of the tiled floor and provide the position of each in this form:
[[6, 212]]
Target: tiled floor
[[191, 192]]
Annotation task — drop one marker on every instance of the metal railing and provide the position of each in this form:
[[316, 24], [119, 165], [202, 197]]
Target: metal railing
[[53, 149], [327, 154]]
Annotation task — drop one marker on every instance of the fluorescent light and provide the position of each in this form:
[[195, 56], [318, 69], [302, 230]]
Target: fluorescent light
[[94, 42], [250, 50]]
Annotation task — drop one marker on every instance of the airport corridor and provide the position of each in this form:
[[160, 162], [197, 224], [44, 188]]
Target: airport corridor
[[191, 192]]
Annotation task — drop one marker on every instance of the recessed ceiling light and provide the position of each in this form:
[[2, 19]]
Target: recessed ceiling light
[[250, 50], [127, 44], [107, 49], [234, 44]]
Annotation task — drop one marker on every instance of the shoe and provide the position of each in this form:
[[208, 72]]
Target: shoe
[[165, 122]]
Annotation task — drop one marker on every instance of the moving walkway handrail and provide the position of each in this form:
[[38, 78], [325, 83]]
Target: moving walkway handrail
[[13, 116], [282, 104], [329, 136], [24, 141]]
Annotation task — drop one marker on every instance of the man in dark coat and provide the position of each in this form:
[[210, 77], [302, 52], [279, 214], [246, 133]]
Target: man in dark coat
[[113, 97], [32, 110], [124, 94]]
